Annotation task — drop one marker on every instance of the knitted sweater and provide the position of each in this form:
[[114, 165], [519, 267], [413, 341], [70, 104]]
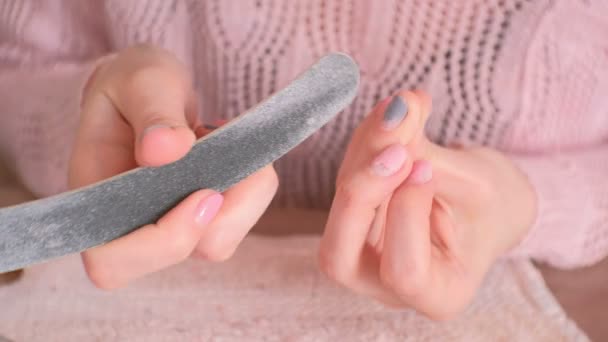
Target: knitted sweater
[[529, 78]]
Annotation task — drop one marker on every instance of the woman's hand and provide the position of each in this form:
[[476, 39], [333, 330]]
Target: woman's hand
[[139, 109], [417, 225]]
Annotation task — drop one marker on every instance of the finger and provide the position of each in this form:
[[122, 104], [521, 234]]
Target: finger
[[375, 164], [243, 206], [103, 145], [420, 139], [369, 172], [153, 93], [106, 143], [376, 231], [370, 282], [426, 103], [353, 210], [155, 246], [193, 117], [443, 232], [447, 162], [423, 271], [405, 260], [398, 119]]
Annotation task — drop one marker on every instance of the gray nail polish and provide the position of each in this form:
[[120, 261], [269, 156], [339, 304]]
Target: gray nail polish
[[395, 113]]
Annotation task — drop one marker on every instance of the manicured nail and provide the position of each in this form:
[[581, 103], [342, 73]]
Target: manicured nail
[[208, 208], [390, 160], [394, 113], [422, 172]]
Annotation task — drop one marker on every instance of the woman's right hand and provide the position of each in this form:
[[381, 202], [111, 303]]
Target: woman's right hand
[[139, 109]]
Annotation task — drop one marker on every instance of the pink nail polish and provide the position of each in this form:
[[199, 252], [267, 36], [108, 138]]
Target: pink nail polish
[[422, 172], [208, 208], [390, 160]]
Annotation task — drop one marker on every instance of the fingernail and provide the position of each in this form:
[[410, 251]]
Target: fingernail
[[422, 172], [390, 160], [208, 208], [394, 113]]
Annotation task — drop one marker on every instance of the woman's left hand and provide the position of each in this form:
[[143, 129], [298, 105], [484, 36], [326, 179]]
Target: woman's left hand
[[417, 225]]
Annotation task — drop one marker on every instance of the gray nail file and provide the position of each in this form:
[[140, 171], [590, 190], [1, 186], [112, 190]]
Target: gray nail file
[[75, 221]]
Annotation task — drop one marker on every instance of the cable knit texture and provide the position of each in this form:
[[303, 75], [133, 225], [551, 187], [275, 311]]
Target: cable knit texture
[[506, 74], [529, 78]]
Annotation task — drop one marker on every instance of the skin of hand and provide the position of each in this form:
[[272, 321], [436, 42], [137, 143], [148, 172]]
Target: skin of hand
[[139, 109], [416, 225]]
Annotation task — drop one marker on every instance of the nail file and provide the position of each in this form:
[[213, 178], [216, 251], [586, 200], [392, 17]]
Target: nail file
[[74, 221]]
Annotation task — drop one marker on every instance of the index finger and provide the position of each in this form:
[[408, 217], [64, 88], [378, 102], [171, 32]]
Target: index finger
[[376, 163]]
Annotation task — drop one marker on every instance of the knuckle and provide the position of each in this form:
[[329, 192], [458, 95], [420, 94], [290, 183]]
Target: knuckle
[[347, 193], [406, 281], [330, 266], [179, 246], [444, 313], [272, 179], [99, 275], [213, 249], [221, 255], [448, 311], [214, 254]]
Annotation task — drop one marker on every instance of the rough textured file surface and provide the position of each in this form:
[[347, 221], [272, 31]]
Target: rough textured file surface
[[81, 219]]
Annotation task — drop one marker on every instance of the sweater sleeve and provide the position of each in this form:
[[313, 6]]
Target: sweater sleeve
[[571, 228], [561, 138], [47, 53]]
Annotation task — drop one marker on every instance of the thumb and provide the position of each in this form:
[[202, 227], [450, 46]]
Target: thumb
[[450, 168], [422, 147], [155, 97]]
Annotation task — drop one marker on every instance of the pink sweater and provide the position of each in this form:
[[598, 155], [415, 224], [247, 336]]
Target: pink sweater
[[527, 78]]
